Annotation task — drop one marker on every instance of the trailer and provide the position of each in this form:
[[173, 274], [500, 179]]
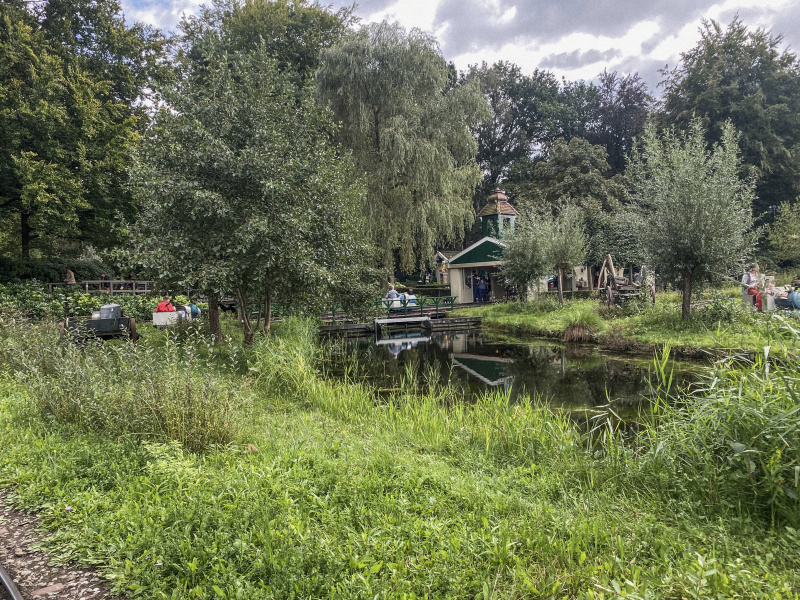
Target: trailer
[[106, 324]]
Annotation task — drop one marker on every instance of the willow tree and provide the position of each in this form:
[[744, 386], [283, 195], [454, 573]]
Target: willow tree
[[695, 209], [408, 126]]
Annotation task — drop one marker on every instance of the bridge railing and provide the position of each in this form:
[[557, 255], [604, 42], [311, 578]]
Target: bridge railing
[[106, 286]]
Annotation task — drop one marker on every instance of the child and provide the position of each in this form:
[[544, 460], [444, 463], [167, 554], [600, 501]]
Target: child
[[770, 295]]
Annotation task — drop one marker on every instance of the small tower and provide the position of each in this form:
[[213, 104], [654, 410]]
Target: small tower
[[497, 216]]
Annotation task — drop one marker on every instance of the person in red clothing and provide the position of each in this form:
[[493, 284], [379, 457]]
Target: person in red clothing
[[165, 305]]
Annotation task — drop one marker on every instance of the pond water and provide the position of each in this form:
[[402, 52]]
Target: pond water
[[572, 377]]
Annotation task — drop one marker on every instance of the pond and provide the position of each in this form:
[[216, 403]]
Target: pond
[[571, 377]]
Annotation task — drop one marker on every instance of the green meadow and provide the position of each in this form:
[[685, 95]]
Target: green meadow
[[182, 469]]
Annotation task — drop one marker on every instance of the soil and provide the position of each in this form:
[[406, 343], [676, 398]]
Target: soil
[[30, 569]]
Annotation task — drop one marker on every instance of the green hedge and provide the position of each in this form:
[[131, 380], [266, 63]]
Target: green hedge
[[47, 270], [35, 301]]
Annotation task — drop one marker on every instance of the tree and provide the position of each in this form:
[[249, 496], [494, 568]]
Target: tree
[[564, 241], [740, 76], [408, 128], [68, 121], [695, 209], [623, 108], [521, 107], [243, 191], [293, 32], [524, 259], [784, 233]]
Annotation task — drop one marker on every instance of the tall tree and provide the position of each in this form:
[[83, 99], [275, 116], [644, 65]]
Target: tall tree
[[741, 76], [564, 241], [577, 112], [293, 32], [521, 109], [68, 120], [243, 191], [409, 130], [695, 209], [524, 256], [622, 111], [784, 234]]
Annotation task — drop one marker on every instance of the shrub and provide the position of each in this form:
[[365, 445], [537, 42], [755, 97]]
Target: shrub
[[48, 270], [157, 393]]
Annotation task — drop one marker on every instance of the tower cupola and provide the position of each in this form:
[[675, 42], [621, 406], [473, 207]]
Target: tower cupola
[[497, 216]]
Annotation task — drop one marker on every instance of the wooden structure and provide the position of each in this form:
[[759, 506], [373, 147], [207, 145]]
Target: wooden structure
[[484, 258], [108, 286], [616, 290]]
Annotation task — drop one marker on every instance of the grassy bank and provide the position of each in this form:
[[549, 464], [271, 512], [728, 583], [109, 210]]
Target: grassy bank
[[720, 324], [313, 488]]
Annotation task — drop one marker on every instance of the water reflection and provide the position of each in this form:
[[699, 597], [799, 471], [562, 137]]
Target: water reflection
[[566, 376]]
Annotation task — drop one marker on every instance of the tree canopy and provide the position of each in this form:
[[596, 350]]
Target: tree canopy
[[408, 128], [739, 75], [243, 192], [69, 87], [695, 209]]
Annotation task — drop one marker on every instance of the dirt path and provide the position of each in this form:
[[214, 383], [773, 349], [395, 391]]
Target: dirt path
[[30, 570]]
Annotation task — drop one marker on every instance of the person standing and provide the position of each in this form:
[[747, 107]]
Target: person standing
[[750, 288], [482, 289]]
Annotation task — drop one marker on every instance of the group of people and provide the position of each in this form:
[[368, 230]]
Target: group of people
[[480, 289], [191, 310], [752, 294], [393, 294]]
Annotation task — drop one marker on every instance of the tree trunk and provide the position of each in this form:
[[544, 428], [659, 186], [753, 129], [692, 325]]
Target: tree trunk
[[687, 294], [213, 318], [560, 286], [26, 230], [268, 315], [247, 325]]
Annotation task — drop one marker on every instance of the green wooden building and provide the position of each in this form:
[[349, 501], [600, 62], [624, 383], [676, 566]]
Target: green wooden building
[[483, 258]]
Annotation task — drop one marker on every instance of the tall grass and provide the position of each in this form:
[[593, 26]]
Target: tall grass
[[735, 438], [153, 391]]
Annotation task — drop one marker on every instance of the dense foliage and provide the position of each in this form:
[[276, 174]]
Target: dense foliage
[[695, 208], [739, 75], [72, 79], [242, 191], [407, 125]]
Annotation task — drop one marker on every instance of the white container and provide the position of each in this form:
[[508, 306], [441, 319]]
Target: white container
[[110, 311]]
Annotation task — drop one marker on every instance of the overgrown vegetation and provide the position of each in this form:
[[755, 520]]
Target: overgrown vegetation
[[318, 489], [719, 324]]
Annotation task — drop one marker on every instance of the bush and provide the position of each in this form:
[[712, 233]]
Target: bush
[[158, 393], [35, 301], [47, 270]]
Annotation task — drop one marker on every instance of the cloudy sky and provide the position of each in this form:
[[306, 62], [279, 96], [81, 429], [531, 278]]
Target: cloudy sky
[[576, 39]]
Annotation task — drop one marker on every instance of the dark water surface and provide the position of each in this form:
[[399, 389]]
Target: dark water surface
[[573, 377]]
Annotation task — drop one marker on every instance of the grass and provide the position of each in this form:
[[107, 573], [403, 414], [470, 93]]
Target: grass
[[719, 325], [325, 491]]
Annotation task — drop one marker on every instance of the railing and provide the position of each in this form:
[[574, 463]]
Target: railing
[[396, 306], [107, 286]]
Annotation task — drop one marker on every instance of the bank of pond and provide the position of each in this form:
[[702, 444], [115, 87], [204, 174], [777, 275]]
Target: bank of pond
[[449, 467]]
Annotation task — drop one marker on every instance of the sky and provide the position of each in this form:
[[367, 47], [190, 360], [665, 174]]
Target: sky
[[575, 39]]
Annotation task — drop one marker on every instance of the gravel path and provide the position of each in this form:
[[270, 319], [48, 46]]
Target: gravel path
[[30, 570]]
